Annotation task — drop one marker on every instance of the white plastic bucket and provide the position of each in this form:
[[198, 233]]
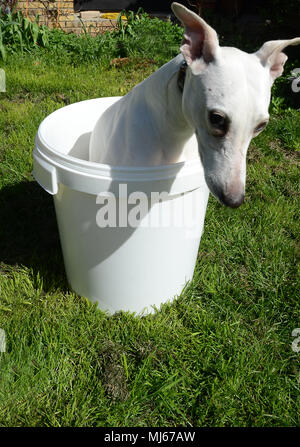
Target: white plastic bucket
[[120, 266]]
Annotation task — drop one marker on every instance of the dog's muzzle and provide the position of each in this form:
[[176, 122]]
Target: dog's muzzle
[[232, 202]]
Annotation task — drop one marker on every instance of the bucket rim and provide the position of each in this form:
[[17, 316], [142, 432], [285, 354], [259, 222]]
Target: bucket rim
[[101, 169]]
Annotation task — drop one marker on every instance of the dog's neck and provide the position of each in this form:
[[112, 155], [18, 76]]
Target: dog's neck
[[164, 98]]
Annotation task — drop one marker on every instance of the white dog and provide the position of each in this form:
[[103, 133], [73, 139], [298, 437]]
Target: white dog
[[216, 97]]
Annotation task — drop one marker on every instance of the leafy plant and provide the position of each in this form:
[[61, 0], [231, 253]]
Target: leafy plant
[[147, 37], [18, 33], [277, 104], [131, 18], [140, 37]]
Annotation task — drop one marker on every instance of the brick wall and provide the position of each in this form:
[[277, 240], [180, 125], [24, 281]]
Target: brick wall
[[61, 14]]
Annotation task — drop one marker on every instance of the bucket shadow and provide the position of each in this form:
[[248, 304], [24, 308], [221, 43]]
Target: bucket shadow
[[29, 234], [80, 148]]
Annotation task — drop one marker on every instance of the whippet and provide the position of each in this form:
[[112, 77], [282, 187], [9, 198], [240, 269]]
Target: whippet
[[208, 101]]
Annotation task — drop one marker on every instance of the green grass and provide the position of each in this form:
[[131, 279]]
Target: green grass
[[219, 355]]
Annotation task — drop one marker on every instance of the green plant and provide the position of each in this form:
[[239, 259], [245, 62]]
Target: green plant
[[132, 18], [142, 36], [277, 104], [18, 33]]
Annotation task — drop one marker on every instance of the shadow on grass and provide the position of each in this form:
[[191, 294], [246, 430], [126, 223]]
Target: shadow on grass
[[29, 234]]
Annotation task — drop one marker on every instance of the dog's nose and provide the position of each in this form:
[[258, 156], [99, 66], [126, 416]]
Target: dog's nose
[[230, 200], [228, 195]]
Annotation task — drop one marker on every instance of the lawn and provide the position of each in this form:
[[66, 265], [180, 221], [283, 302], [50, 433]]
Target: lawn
[[218, 355]]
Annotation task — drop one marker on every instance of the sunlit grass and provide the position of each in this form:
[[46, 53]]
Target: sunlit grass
[[219, 355]]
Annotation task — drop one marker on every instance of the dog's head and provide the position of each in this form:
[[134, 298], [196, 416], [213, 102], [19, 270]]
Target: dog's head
[[225, 99]]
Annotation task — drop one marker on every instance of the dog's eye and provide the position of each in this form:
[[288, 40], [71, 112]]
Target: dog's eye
[[218, 122], [260, 127]]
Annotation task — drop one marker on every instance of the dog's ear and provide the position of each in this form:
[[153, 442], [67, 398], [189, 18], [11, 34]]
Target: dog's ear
[[200, 42], [270, 55]]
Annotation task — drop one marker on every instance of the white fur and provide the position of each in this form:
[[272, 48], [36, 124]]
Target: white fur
[[156, 124]]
